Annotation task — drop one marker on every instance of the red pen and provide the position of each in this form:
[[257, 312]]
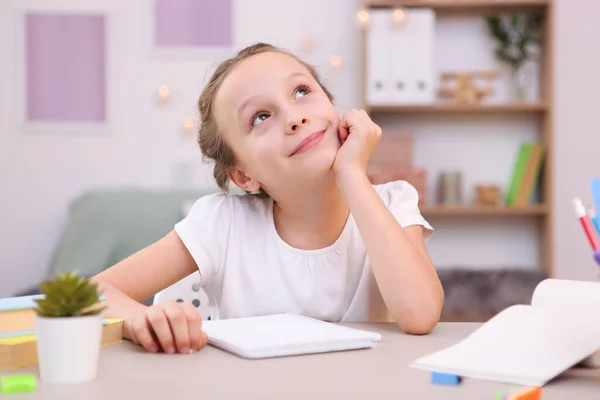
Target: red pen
[[586, 223]]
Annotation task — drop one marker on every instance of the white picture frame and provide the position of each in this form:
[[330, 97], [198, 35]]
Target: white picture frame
[[194, 53], [67, 7]]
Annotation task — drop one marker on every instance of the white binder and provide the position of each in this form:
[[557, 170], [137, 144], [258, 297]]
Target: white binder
[[378, 65], [401, 61], [420, 34]]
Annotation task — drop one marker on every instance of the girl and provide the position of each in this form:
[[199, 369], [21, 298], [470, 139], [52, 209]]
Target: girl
[[312, 236]]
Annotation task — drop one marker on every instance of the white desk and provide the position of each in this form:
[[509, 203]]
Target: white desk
[[128, 372]]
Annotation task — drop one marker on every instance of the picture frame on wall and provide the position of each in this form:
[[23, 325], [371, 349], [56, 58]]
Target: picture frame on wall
[[65, 76], [189, 29]]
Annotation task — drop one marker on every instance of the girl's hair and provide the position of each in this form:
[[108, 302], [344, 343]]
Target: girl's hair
[[210, 138]]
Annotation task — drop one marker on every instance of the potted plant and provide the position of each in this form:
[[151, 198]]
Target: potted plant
[[68, 329], [516, 36]]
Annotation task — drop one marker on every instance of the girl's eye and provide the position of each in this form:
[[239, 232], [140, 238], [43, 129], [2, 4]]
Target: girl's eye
[[258, 118], [302, 90]]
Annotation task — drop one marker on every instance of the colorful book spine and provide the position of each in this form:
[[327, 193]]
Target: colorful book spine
[[520, 167]]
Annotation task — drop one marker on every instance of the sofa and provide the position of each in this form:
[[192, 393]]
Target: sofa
[[107, 225]]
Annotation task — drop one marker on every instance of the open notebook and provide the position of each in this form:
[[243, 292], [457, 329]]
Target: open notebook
[[284, 335], [529, 344]]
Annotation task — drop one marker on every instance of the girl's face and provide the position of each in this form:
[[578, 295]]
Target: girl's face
[[280, 124]]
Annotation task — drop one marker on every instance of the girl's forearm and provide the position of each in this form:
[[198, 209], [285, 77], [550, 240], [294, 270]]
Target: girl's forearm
[[119, 305], [406, 277]]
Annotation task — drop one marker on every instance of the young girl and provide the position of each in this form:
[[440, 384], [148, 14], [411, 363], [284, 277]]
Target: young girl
[[312, 236]]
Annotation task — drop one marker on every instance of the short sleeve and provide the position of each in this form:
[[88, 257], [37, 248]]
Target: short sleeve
[[205, 231], [402, 199]]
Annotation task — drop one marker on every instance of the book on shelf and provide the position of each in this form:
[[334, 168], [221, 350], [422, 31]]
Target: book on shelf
[[525, 177]]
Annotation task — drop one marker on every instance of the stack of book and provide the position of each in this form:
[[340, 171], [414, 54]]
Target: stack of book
[[17, 332]]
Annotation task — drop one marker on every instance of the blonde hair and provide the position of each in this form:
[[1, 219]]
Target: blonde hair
[[210, 139]]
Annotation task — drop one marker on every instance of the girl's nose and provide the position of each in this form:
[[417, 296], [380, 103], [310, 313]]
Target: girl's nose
[[295, 124]]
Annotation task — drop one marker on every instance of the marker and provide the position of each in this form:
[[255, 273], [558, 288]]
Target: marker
[[594, 219], [586, 223]]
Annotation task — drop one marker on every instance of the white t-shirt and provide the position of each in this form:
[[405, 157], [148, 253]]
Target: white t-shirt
[[246, 269]]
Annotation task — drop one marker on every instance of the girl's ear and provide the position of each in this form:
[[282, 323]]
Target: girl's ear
[[243, 181]]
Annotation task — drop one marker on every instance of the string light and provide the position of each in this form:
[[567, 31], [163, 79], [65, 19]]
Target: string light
[[164, 91], [307, 45], [363, 16], [336, 61], [188, 123], [399, 16]]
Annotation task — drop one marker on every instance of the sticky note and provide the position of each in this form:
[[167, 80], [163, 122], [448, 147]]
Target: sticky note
[[18, 383], [445, 379]]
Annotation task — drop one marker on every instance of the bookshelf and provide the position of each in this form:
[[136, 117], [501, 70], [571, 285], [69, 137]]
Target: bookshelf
[[482, 211], [540, 111], [456, 109]]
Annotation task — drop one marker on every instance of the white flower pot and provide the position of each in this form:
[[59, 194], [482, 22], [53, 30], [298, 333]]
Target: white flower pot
[[68, 348]]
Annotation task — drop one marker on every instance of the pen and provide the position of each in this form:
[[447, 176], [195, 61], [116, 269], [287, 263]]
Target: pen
[[594, 219], [586, 223]]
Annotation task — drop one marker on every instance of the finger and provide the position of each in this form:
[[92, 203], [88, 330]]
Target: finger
[[343, 132], [204, 339], [194, 322], [179, 326], [142, 332], [161, 328], [346, 123]]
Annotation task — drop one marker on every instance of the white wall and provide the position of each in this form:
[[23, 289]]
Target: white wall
[[577, 139], [41, 174]]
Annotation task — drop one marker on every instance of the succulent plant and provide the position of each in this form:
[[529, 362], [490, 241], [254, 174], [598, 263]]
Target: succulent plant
[[69, 295]]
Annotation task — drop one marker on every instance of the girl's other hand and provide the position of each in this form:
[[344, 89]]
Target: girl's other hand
[[170, 326]]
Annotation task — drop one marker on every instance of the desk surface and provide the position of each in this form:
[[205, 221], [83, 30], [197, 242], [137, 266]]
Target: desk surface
[[128, 372]]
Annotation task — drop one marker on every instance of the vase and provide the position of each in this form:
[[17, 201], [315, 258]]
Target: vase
[[68, 348], [518, 82]]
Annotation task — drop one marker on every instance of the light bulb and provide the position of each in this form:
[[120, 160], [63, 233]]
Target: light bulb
[[307, 45], [399, 16], [164, 91], [335, 60], [363, 16], [188, 123]]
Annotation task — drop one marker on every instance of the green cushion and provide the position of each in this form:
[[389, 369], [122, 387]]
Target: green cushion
[[106, 226]]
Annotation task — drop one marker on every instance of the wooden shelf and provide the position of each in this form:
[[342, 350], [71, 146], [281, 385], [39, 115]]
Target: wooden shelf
[[459, 109], [460, 4], [483, 210]]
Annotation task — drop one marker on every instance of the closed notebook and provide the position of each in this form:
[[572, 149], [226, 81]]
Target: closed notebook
[[284, 335], [529, 344]]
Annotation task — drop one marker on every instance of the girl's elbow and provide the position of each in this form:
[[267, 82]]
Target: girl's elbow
[[419, 326], [421, 322]]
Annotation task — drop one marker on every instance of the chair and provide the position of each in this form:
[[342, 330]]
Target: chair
[[188, 290]]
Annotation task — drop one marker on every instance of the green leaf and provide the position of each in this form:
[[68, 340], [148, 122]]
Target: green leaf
[[69, 295], [94, 311]]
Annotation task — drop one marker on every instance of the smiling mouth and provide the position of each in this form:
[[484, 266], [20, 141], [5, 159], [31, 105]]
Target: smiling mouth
[[310, 142]]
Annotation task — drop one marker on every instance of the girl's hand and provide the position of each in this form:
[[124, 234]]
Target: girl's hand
[[359, 135], [170, 326]]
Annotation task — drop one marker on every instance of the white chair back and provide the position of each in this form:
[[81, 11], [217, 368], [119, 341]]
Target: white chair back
[[188, 290]]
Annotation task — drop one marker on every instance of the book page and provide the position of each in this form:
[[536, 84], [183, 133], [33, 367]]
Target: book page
[[521, 345], [567, 293]]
